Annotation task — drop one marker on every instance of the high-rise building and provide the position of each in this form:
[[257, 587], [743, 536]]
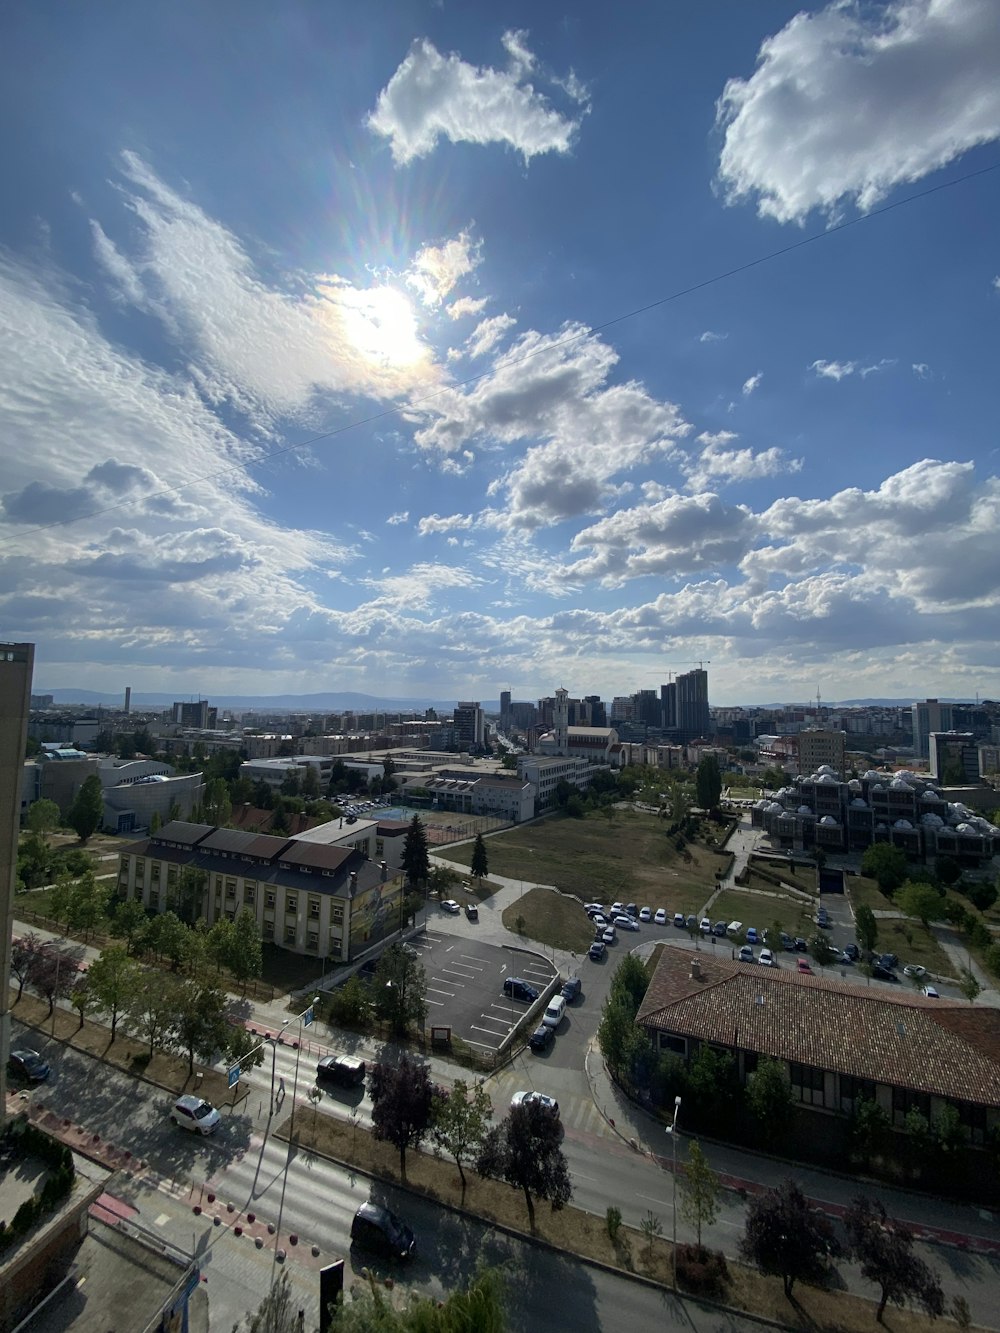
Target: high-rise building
[[195, 714], [692, 704], [16, 662], [668, 706], [598, 713], [469, 726], [928, 716], [505, 710], [954, 758], [819, 746], [647, 708]]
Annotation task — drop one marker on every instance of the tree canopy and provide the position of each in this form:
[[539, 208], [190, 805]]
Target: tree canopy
[[784, 1236], [415, 858], [920, 900], [708, 782], [401, 1096], [884, 1249], [399, 989], [525, 1150], [480, 866], [86, 814], [885, 864]]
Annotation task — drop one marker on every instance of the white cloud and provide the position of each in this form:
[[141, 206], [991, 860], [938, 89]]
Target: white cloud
[[877, 366], [709, 337], [431, 96], [466, 305], [415, 589], [717, 464], [434, 524], [922, 370], [850, 101], [485, 336], [437, 268], [752, 383], [834, 370], [394, 520]]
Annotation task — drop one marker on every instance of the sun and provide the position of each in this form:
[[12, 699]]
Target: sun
[[380, 324]]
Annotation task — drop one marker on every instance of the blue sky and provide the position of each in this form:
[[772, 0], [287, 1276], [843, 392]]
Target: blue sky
[[327, 362]]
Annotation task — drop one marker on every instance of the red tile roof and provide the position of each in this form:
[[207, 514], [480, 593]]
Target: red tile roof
[[941, 1047]]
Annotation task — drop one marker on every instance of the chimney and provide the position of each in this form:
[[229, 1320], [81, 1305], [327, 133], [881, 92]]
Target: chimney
[[353, 882], [384, 867], [695, 970]]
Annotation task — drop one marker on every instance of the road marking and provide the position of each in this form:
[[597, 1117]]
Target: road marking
[[439, 1003], [450, 981], [474, 1027], [485, 1045], [662, 1202], [580, 1176], [438, 991]]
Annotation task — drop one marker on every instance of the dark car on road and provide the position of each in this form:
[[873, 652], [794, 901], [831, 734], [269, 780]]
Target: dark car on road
[[881, 973], [377, 1229], [517, 989], [346, 1071], [853, 952], [28, 1065], [542, 1037], [571, 988], [597, 950]]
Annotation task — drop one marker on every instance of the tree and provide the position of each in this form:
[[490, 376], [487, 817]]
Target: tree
[[153, 1008], [26, 956], [43, 817], [699, 1191], [219, 941], [415, 859], [55, 970], [86, 814], [769, 1094], [525, 1150], [948, 870], [190, 893], [128, 921], [624, 1045], [113, 982], [460, 1120], [786, 1237], [822, 950], [246, 953], [869, 1129], [401, 1096], [708, 782], [88, 903], [630, 982], [477, 1308], [480, 866], [968, 984], [243, 1049], [217, 804], [866, 928], [350, 1004], [884, 1249], [885, 864], [166, 936], [399, 989], [920, 900], [81, 997], [200, 1024]]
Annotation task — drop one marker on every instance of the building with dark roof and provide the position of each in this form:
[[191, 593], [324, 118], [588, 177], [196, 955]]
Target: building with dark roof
[[324, 897], [840, 1041]]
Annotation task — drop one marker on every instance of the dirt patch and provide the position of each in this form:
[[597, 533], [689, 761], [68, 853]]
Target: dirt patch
[[166, 1070], [573, 1231]]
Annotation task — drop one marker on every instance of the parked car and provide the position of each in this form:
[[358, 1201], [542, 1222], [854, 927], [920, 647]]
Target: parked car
[[631, 909], [889, 960], [719, 929], [519, 989], [767, 958], [882, 973], [346, 1071], [854, 952], [746, 954], [450, 905], [752, 936], [554, 1011], [691, 923], [196, 1114], [542, 1037], [597, 951], [594, 908], [660, 916], [609, 935], [376, 1228], [914, 970], [616, 908], [845, 957], [734, 928], [27, 1064], [706, 926], [930, 992], [571, 988], [800, 945], [804, 966], [472, 911], [599, 920], [626, 922], [645, 914], [679, 920], [534, 1099], [787, 942]]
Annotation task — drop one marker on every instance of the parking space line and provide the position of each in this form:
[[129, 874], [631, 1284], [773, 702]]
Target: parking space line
[[479, 964], [450, 981], [437, 991], [472, 1042], [439, 1003]]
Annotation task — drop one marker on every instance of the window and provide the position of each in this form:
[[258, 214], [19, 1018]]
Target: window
[[154, 873], [312, 941], [675, 1045], [313, 906], [905, 1100], [337, 914], [250, 891], [291, 904], [230, 888], [140, 867], [268, 930], [171, 875], [289, 934], [854, 1090], [807, 1084], [269, 899], [230, 915]]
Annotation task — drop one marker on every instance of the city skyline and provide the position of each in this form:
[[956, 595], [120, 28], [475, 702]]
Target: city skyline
[[424, 353]]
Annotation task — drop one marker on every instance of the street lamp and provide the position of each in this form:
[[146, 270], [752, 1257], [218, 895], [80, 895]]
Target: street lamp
[[307, 1014], [672, 1131]]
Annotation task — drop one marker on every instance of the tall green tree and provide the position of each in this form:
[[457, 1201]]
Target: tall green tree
[[200, 1024], [246, 956], [401, 1096], [525, 1150], [866, 927], [86, 814], [708, 782], [89, 903], [885, 864], [415, 858], [700, 1190], [480, 866], [153, 1008], [43, 816], [769, 1095], [460, 1119], [399, 990], [113, 981], [128, 920], [884, 1249], [920, 900], [190, 893], [217, 804]]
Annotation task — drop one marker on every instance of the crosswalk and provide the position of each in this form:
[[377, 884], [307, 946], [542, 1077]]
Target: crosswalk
[[579, 1116]]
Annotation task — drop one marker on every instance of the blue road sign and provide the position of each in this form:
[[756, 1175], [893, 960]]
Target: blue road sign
[[234, 1075]]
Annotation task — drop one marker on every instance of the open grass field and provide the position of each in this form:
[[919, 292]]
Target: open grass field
[[763, 910], [551, 919], [612, 854], [573, 1231]]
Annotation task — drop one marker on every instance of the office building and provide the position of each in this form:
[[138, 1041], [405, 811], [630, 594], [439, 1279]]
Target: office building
[[954, 758], [692, 704], [819, 746], [469, 725], [928, 717]]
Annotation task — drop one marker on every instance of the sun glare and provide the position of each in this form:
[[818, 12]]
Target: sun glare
[[381, 325]]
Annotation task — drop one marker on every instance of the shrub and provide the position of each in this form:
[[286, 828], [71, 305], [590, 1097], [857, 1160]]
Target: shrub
[[702, 1272], [614, 1220]]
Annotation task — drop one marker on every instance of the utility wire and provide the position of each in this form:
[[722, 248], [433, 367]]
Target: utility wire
[[428, 399]]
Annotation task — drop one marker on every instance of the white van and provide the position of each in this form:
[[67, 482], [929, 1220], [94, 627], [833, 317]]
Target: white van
[[554, 1013], [735, 928]]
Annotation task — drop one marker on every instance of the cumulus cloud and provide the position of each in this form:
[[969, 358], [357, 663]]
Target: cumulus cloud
[[435, 524], [717, 464], [922, 370], [752, 383], [416, 588], [849, 101], [433, 96], [437, 268], [485, 336], [466, 305], [394, 520]]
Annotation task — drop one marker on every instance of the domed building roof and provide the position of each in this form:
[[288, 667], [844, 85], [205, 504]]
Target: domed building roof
[[872, 775], [827, 779], [859, 803], [803, 810], [966, 830], [828, 820], [903, 824], [878, 787], [825, 768], [899, 784], [775, 808], [932, 821], [854, 785], [930, 795]]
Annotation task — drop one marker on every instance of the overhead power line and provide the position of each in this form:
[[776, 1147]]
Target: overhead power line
[[428, 399]]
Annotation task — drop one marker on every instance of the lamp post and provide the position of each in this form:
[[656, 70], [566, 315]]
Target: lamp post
[[672, 1131], [307, 1015]]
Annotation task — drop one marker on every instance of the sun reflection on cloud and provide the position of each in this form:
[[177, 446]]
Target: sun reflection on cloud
[[378, 330]]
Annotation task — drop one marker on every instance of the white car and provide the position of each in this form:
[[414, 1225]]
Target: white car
[[196, 1114], [645, 914], [534, 1099], [661, 916], [553, 1015], [706, 926], [767, 958], [609, 935], [930, 992], [914, 970], [746, 954], [450, 905], [594, 907], [626, 922]]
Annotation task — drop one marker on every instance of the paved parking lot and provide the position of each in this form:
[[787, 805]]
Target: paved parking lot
[[465, 985]]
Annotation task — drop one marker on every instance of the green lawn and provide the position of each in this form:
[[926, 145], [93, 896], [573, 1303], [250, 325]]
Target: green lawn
[[764, 911], [549, 918], [866, 893], [612, 854]]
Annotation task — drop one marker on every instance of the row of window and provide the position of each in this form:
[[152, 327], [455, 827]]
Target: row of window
[[227, 884]]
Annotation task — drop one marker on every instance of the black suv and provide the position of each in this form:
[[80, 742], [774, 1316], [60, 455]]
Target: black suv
[[519, 990], [344, 1070], [571, 988], [376, 1228], [541, 1038]]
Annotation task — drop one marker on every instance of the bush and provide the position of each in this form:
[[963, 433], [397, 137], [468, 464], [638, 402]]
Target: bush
[[614, 1220], [702, 1272]]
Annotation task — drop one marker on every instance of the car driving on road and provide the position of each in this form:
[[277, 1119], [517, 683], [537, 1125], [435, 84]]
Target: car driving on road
[[196, 1114]]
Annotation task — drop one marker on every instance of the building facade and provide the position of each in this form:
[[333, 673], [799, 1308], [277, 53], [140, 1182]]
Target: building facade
[[927, 717]]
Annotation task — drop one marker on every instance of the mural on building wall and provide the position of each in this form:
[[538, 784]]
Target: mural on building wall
[[373, 909]]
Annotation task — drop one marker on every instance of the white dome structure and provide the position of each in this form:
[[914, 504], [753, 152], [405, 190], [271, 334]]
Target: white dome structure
[[903, 824]]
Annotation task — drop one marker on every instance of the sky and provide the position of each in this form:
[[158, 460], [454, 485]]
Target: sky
[[437, 349]]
